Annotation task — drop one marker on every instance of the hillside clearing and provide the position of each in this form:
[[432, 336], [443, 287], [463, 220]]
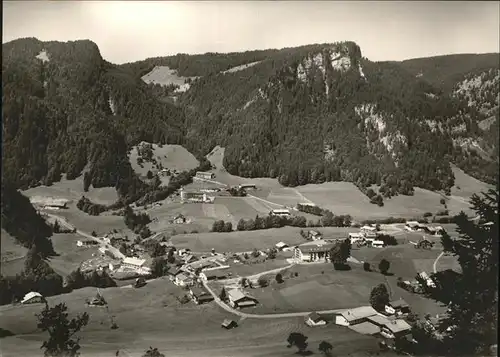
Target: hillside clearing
[[172, 157], [151, 316], [73, 190], [165, 76]]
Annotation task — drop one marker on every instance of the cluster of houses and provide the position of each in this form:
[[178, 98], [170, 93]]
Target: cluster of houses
[[414, 226], [366, 320]]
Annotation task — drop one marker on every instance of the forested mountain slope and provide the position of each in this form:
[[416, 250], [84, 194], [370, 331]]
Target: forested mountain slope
[[308, 114], [65, 108], [323, 112]]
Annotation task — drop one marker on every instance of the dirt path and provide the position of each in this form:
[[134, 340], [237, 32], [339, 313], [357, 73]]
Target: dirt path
[[436, 261], [256, 276]]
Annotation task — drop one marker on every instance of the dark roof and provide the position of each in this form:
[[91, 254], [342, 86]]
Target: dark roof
[[174, 270], [217, 273], [314, 316], [399, 303], [227, 323]]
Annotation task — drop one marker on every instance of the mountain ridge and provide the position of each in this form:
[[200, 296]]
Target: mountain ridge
[[307, 114]]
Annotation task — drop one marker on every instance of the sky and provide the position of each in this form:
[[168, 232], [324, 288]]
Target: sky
[[134, 30]]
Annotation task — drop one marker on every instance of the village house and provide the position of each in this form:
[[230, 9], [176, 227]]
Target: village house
[[397, 307], [314, 235], [183, 251], [413, 226], [355, 316], [356, 237], [369, 231], [200, 295], [50, 203], [183, 279], [239, 299], [280, 212], [314, 319], [247, 186], [205, 175], [32, 298], [139, 265], [172, 272], [281, 246], [216, 274], [229, 324], [188, 258], [179, 219], [377, 244], [313, 251], [390, 328], [396, 328], [86, 243]]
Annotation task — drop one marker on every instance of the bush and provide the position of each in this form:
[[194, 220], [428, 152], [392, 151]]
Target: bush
[[263, 281], [279, 278], [427, 214], [366, 266], [388, 239], [442, 213], [384, 266], [442, 201]]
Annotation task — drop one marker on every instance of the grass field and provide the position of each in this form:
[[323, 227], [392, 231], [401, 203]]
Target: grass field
[[151, 316], [101, 224], [238, 241], [73, 190], [345, 198], [70, 256], [9, 248], [317, 287], [165, 76], [173, 157]]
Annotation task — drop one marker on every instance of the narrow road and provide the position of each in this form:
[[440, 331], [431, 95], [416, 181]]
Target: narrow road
[[435, 262], [262, 316], [256, 276], [100, 240], [268, 202]]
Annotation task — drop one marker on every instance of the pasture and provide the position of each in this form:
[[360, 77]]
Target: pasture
[[10, 249], [151, 316], [317, 287], [73, 191], [345, 198], [165, 76], [238, 241], [69, 255], [173, 157]]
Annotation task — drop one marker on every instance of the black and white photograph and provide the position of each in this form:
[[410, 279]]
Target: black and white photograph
[[249, 178]]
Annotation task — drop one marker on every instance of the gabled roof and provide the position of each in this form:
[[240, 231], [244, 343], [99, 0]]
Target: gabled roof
[[183, 277], [173, 270], [316, 247], [358, 313], [396, 326], [314, 316], [236, 295], [398, 303], [216, 273], [31, 295], [134, 261], [281, 245], [198, 292], [228, 322]]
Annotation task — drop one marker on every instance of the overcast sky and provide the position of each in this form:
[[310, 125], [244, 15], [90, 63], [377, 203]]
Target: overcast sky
[[130, 31]]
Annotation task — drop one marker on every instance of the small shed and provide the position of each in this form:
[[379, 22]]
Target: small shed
[[229, 324], [314, 319]]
